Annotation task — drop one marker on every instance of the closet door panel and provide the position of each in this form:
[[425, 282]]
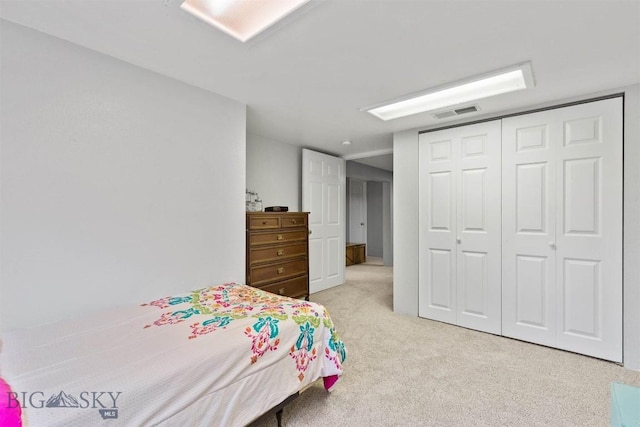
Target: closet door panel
[[479, 227], [582, 196], [440, 265], [582, 296], [528, 229], [531, 194], [531, 292], [441, 256], [437, 258], [440, 201], [474, 284], [473, 210], [589, 235], [473, 274]]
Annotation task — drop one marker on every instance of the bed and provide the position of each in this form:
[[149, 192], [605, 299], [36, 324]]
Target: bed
[[222, 355]]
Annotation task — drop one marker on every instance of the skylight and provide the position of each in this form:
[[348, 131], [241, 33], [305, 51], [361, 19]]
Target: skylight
[[242, 19]]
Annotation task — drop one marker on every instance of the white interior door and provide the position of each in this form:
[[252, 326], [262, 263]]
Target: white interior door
[[324, 197], [357, 211], [460, 226], [562, 228]]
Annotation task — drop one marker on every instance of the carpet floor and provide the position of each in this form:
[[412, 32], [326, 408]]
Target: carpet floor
[[408, 371]]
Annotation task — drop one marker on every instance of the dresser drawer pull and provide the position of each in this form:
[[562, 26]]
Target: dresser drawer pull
[[281, 291], [280, 270], [293, 221], [280, 252], [280, 237], [264, 222]]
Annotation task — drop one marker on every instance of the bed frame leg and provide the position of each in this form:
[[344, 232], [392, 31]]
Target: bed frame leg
[[280, 407]]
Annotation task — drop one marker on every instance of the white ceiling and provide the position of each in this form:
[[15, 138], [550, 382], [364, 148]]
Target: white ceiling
[[305, 80]]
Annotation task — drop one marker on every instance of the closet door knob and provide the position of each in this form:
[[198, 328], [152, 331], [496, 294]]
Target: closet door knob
[[459, 240], [552, 245]]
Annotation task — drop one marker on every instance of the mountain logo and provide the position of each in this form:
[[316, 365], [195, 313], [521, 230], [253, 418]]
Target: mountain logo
[[62, 400]]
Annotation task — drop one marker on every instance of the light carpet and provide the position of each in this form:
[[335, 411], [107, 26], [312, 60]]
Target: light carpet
[[408, 371]]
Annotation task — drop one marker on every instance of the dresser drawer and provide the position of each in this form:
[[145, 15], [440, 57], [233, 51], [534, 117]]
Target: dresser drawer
[[294, 221], [275, 272], [263, 222], [277, 237], [276, 253], [295, 288]]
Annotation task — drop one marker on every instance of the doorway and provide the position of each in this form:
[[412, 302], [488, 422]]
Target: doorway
[[369, 217]]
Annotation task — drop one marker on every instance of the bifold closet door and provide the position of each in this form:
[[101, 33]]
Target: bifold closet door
[[460, 226], [562, 228]]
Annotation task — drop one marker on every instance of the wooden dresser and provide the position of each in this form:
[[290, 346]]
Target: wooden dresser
[[278, 252]]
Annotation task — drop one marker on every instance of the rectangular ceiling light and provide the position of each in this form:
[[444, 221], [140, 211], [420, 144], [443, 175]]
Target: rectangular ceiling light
[[242, 19], [495, 83]]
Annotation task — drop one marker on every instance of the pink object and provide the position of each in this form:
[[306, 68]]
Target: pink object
[[330, 382], [10, 412]]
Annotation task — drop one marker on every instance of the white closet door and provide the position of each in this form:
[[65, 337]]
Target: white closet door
[[437, 289], [460, 226], [562, 228], [589, 230], [479, 227], [528, 227]]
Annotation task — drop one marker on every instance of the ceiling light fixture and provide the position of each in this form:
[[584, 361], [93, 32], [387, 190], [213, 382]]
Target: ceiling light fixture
[[242, 19], [490, 84], [346, 142]]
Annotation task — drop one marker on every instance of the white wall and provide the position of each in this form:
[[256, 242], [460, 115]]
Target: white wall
[[405, 222], [274, 171], [118, 185], [405, 286]]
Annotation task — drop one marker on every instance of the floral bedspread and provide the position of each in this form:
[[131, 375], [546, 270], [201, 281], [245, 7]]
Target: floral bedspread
[[223, 355], [264, 318]]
